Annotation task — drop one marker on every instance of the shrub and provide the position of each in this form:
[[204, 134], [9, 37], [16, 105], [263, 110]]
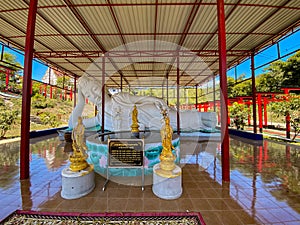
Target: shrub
[[7, 118], [238, 112], [48, 118]]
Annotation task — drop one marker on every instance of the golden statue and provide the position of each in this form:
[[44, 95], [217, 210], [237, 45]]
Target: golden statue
[[135, 125], [167, 157], [79, 156]]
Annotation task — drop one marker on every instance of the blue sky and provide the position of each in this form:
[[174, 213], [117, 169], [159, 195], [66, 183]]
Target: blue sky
[[287, 45], [38, 69]]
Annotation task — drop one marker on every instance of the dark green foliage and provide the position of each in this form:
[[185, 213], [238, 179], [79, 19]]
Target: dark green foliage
[[7, 117], [238, 113], [40, 102], [289, 106]]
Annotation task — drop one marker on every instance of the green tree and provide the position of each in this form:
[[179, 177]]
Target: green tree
[[289, 106], [239, 113], [7, 117], [64, 81], [239, 87], [291, 71], [9, 61], [230, 85], [244, 88], [272, 79]]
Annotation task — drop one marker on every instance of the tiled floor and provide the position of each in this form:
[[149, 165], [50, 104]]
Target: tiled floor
[[264, 187]]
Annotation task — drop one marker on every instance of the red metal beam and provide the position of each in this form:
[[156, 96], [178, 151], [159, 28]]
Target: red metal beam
[[223, 86], [26, 99], [137, 53], [153, 4], [142, 34]]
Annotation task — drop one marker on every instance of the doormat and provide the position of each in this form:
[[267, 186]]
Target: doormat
[[145, 218]]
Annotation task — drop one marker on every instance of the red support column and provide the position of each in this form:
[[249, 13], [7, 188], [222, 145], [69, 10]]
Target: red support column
[[205, 106], [265, 112], [45, 90], [249, 112], [50, 92], [196, 96], [177, 104], [259, 113], [7, 79], [223, 86], [71, 94], [253, 94], [75, 89], [103, 98], [288, 126], [26, 100]]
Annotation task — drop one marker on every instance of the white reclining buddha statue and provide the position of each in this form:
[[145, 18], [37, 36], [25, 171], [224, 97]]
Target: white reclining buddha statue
[[118, 109]]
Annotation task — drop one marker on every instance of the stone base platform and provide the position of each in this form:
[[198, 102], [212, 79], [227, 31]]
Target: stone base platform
[[77, 184], [167, 186]]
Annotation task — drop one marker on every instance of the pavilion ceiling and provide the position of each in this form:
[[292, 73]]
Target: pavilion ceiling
[[139, 38]]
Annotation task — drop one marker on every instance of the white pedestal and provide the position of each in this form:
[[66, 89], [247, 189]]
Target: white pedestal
[[167, 188], [77, 184]]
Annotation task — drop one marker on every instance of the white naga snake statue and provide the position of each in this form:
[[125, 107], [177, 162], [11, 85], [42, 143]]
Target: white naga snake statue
[[118, 108]]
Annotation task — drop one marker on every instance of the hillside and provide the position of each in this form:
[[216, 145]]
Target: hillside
[[45, 113]]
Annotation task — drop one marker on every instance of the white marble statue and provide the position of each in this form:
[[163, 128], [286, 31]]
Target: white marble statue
[[118, 108]]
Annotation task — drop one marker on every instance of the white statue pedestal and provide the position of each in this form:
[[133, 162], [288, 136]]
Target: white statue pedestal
[[77, 184], [167, 187]]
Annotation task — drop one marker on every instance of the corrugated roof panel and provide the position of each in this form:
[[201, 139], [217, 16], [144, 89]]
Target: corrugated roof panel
[[110, 42], [81, 60], [201, 23], [99, 19], [57, 43], [212, 44], [83, 66], [9, 5], [85, 43], [134, 38], [71, 67], [42, 27], [249, 42], [294, 3], [16, 18], [243, 19], [281, 19], [193, 42], [19, 41], [136, 19], [8, 30], [263, 2], [232, 39], [64, 20], [172, 18], [168, 38]]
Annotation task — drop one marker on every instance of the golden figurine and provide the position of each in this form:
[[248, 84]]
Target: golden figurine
[[166, 157], [79, 156], [135, 125]]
